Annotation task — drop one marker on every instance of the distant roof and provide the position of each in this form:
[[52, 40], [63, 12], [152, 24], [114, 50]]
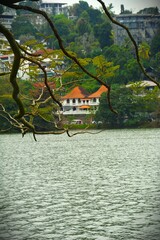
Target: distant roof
[[77, 92], [133, 15], [147, 83], [99, 92], [144, 83]]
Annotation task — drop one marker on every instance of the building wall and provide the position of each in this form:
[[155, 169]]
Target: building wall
[[73, 106], [7, 20], [143, 27], [50, 7], [5, 61]]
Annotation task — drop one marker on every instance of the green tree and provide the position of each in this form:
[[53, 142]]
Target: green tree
[[77, 8], [134, 108], [103, 33], [144, 50], [124, 57], [83, 26], [155, 43], [22, 26], [95, 16], [154, 57], [122, 100], [1, 9], [65, 29]]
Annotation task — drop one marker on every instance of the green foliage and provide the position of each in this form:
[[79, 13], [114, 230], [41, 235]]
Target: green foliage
[[123, 56], [95, 16], [22, 26], [103, 68], [5, 85], [103, 34], [154, 62], [1, 9], [63, 25], [83, 26], [155, 55], [155, 44], [46, 113], [133, 108], [77, 8], [65, 28], [6, 94], [98, 66], [7, 101], [144, 50]]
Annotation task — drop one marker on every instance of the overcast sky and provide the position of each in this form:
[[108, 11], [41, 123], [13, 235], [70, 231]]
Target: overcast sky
[[134, 5]]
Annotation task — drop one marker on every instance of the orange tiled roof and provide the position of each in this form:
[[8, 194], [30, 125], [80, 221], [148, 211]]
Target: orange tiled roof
[[99, 92], [77, 92]]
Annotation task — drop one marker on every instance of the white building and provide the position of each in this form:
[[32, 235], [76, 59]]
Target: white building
[[7, 18], [5, 62], [53, 6], [144, 85], [80, 102]]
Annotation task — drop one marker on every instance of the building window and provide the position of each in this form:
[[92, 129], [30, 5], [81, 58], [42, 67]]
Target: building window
[[68, 101], [74, 100], [94, 99]]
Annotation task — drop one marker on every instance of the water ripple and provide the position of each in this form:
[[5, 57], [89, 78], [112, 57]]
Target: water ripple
[[105, 187]]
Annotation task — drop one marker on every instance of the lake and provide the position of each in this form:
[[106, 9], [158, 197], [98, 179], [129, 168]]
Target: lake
[[104, 186]]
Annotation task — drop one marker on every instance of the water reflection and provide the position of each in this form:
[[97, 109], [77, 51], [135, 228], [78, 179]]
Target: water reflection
[[99, 187]]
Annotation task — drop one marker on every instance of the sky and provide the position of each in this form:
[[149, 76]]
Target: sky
[[134, 5]]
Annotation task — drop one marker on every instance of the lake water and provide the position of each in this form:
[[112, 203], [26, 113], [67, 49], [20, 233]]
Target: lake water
[[88, 187]]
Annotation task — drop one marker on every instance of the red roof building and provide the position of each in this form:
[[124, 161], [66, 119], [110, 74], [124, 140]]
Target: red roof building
[[80, 102], [99, 92], [77, 92]]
